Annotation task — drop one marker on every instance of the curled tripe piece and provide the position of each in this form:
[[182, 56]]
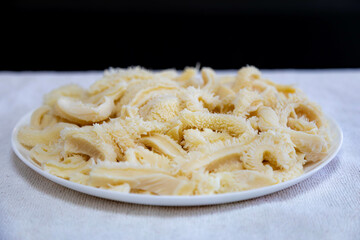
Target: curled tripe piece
[[170, 133]]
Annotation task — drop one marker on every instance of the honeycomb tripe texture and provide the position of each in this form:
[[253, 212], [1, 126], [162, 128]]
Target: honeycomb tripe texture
[[170, 133]]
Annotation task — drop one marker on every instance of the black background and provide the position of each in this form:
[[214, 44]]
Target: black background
[[93, 35]]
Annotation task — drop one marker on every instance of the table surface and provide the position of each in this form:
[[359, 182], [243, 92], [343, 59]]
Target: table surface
[[325, 206]]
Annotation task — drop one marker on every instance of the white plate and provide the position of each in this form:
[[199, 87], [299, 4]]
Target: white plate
[[23, 154]]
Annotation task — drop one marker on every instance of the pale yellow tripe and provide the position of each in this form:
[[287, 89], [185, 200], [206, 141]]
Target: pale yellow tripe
[[170, 133]]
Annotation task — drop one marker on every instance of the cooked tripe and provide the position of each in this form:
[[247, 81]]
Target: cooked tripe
[[165, 133]]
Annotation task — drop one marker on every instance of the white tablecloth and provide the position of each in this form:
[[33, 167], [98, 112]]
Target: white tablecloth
[[325, 206]]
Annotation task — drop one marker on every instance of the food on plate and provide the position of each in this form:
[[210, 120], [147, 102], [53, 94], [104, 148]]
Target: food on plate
[[169, 133]]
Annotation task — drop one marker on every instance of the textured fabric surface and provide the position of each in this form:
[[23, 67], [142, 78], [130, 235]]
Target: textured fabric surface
[[325, 206]]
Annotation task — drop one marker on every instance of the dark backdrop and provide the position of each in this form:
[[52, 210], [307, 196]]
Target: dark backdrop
[[93, 35]]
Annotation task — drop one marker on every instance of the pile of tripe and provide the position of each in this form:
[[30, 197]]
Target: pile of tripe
[[166, 133]]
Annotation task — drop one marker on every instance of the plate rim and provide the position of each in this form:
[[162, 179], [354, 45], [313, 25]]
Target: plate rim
[[171, 200]]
